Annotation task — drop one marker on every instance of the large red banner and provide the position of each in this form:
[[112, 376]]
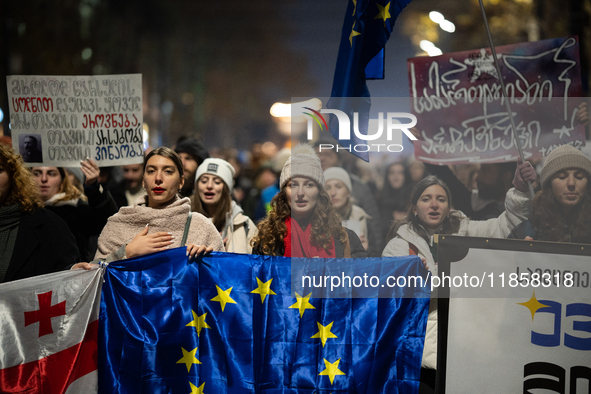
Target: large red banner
[[462, 117]]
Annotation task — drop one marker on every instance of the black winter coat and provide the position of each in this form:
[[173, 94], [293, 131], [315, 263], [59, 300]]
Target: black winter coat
[[87, 219], [43, 245]]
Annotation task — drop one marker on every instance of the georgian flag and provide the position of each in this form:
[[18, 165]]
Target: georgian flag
[[48, 333]]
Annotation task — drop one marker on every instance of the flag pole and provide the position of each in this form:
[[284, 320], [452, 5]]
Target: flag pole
[[510, 112]]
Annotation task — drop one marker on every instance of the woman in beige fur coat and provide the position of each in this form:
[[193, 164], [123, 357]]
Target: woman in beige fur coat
[[157, 221]]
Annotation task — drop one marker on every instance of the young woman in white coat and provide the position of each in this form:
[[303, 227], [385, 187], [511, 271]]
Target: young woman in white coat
[[431, 213], [213, 189]]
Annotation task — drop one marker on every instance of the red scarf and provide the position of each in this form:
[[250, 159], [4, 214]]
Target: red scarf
[[297, 242]]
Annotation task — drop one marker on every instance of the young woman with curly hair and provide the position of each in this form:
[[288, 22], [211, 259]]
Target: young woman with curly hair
[[33, 240], [302, 222], [562, 209], [430, 212]]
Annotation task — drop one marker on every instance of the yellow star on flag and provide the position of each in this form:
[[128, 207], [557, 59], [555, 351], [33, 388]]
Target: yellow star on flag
[[353, 34], [223, 297], [195, 389], [384, 13], [264, 289], [198, 322], [533, 305], [332, 369], [189, 358], [324, 333], [354, 7], [302, 303]]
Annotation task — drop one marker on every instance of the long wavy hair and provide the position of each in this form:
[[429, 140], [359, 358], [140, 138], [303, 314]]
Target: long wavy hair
[[390, 199], [23, 188], [388, 195], [450, 225], [325, 222], [68, 188], [221, 208], [551, 225]]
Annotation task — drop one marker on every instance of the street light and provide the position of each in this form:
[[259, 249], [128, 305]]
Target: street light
[[290, 116], [436, 17]]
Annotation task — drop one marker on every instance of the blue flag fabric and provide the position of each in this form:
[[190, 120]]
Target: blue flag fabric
[[228, 323], [366, 29]]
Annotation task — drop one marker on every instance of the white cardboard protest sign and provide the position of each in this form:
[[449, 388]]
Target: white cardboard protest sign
[[60, 120]]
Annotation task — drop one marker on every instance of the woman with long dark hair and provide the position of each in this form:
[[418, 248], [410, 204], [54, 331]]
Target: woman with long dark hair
[[33, 240], [161, 219], [430, 213], [562, 209], [302, 222], [213, 188], [393, 198]]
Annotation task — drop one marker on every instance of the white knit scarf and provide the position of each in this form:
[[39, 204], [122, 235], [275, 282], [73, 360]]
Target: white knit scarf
[[129, 221]]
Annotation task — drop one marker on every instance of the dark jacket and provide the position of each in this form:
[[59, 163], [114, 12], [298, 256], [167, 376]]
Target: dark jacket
[[87, 219], [525, 229], [364, 198], [118, 193], [357, 250], [462, 197], [43, 245]]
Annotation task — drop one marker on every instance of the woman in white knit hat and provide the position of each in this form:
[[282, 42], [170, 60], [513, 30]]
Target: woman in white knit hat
[[562, 209], [213, 189], [302, 221], [338, 186]]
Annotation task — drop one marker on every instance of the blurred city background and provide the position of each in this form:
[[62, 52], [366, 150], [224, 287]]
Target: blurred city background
[[212, 70]]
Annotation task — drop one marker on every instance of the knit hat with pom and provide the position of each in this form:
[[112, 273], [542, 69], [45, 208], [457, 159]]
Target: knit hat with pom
[[302, 162]]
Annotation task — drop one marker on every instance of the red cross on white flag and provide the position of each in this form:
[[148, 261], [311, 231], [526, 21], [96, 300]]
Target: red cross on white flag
[[45, 313], [49, 326]]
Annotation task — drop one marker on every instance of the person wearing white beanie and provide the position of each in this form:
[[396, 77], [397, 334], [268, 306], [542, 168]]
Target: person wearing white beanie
[[302, 222], [214, 182], [338, 186], [562, 209]]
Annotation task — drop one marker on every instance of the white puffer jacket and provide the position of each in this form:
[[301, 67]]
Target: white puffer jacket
[[517, 208]]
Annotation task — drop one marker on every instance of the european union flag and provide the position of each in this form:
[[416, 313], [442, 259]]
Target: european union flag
[[366, 29], [228, 323]]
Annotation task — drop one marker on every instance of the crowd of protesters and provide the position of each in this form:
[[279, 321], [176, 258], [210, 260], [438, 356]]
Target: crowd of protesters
[[238, 195], [293, 202]]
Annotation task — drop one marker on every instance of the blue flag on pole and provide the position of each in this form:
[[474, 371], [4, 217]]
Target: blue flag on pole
[[229, 323], [366, 29]]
